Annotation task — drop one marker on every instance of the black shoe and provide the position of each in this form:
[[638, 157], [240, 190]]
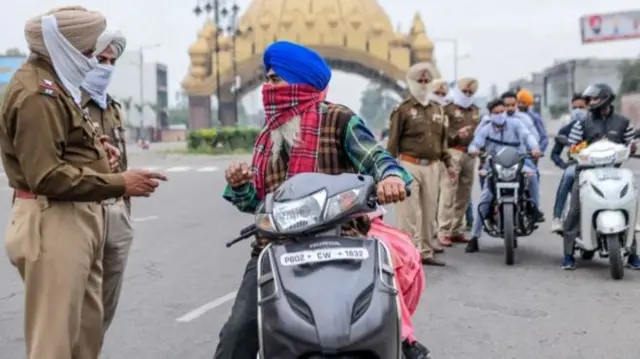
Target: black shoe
[[538, 216], [472, 246], [414, 350]]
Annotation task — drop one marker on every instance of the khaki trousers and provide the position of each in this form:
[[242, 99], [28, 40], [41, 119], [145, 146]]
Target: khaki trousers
[[116, 252], [455, 196], [416, 214], [57, 247]]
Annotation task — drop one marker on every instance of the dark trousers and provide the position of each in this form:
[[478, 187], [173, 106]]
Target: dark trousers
[[239, 336], [572, 222]]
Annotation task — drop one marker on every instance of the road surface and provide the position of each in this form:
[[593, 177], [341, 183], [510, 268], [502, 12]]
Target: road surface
[[181, 281]]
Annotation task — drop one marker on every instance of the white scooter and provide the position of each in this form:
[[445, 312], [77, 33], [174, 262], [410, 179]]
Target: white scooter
[[609, 202]]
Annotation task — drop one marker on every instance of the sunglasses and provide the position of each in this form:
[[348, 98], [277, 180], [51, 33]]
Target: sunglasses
[[423, 81], [467, 92], [441, 94]]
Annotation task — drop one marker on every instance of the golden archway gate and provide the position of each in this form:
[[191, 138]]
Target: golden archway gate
[[354, 36]]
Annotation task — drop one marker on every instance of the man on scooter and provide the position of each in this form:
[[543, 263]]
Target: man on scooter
[[502, 131], [303, 133], [602, 122], [578, 113]]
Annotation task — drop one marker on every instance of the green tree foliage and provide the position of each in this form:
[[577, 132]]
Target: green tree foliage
[[376, 105], [630, 78], [14, 51]]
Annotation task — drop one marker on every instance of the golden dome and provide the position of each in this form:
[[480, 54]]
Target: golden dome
[[348, 14], [422, 43]]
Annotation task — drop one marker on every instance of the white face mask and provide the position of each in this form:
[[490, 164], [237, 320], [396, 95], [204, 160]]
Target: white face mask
[[70, 65], [441, 100], [461, 99], [96, 84], [419, 91]]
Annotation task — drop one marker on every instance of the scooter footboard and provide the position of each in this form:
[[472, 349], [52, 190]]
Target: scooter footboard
[[327, 296]]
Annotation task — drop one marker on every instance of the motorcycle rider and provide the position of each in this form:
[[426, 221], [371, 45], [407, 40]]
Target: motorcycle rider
[[578, 113], [509, 99], [495, 107], [302, 133], [525, 103], [602, 122], [502, 131]]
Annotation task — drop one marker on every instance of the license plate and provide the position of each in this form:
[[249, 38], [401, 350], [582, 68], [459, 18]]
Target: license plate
[[608, 174], [323, 255]]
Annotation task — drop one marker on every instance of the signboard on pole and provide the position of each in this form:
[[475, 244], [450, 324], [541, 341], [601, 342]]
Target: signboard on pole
[[610, 27]]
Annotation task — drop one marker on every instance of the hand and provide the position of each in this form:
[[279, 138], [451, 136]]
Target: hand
[[238, 174], [113, 153], [464, 132], [453, 174], [391, 190], [140, 183], [536, 154], [473, 152]]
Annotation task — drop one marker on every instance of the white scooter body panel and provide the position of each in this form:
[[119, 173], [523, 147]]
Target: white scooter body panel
[[606, 207]]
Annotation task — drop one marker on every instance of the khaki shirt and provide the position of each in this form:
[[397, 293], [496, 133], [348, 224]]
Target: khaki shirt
[[49, 145], [419, 131], [109, 122], [458, 118]]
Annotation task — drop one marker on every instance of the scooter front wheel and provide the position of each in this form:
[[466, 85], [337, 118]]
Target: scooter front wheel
[[616, 259]]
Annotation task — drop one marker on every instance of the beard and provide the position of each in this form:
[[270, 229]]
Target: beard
[[286, 134], [419, 92]]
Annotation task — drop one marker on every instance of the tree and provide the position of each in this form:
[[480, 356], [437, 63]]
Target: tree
[[629, 79], [376, 105], [14, 51]]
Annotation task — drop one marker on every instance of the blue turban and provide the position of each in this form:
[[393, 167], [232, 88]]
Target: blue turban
[[297, 64]]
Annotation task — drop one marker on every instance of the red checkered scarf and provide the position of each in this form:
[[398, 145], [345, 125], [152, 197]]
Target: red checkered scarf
[[281, 104]]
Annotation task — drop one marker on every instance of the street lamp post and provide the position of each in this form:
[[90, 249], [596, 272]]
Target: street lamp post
[[208, 7], [141, 78], [234, 31], [456, 57]]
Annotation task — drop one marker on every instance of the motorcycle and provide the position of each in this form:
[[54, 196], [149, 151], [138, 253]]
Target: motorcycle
[[321, 295], [609, 202], [511, 214]]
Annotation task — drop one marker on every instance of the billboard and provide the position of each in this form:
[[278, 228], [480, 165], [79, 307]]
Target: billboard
[[9, 65], [610, 27]]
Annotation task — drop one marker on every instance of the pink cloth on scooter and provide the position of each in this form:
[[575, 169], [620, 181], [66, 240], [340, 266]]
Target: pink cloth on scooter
[[408, 270]]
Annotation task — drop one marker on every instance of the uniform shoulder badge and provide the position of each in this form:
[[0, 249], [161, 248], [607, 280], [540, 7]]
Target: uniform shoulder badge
[[47, 87]]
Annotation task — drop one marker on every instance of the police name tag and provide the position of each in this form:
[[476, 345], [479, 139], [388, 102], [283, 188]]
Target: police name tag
[[323, 255], [604, 174]]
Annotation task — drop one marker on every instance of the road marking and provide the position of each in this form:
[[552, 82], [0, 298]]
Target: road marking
[[178, 169], [202, 310], [145, 219], [207, 169], [153, 168]]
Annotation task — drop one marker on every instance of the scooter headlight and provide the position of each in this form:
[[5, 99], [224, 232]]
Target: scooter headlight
[[298, 215], [506, 173], [342, 202]]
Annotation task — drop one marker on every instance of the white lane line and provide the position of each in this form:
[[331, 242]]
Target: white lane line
[[202, 310], [145, 219], [153, 168], [207, 169], [178, 169]]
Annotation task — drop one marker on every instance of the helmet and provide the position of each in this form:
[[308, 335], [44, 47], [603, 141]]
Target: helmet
[[600, 92]]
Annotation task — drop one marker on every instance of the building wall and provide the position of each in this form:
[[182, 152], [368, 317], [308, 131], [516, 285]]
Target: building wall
[[126, 85]]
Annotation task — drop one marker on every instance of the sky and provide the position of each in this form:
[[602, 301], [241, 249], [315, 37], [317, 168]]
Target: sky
[[502, 40]]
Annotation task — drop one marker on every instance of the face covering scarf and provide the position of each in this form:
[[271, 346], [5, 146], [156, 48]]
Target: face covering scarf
[[578, 114], [70, 65], [461, 99], [96, 84], [281, 104], [441, 100]]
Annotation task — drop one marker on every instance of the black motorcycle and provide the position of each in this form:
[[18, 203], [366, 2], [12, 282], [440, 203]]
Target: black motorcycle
[[512, 213], [321, 295]]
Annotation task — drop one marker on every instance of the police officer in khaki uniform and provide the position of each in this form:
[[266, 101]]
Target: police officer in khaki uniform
[[60, 171], [418, 138], [464, 117], [106, 113]]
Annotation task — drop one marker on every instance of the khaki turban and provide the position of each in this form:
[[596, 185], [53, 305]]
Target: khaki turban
[[78, 25], [468, 83], [111, 37], [422, 70], [439, 85]]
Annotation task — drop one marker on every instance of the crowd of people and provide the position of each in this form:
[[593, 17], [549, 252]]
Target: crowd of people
[[62, 146]]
